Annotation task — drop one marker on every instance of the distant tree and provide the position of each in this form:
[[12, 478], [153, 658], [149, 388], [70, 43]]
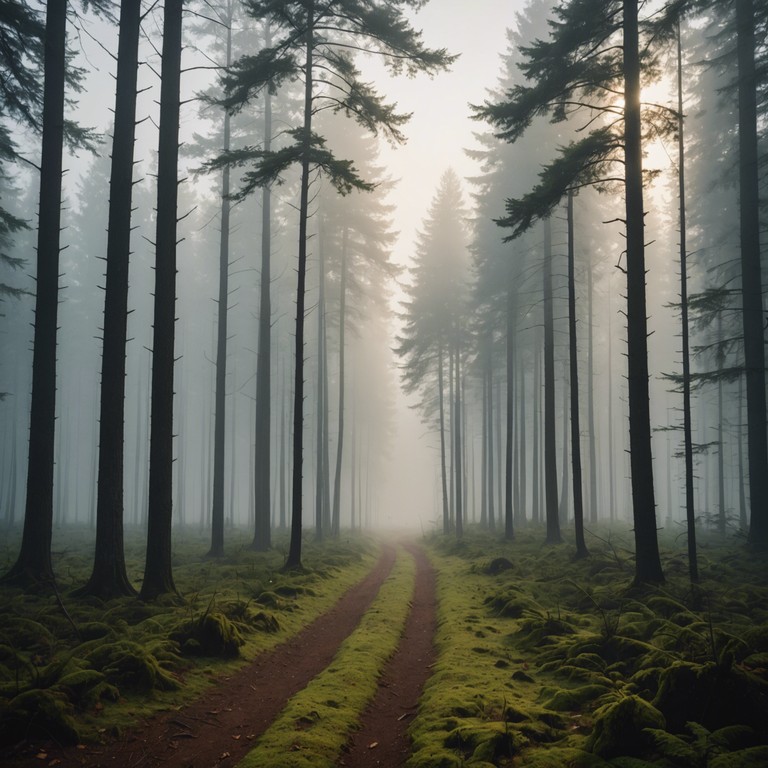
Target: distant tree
[[434, 308], [322, 35], [592, 54], [158, 574]]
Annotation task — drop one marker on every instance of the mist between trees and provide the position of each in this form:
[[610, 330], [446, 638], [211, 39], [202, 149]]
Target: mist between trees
[[263, 322]]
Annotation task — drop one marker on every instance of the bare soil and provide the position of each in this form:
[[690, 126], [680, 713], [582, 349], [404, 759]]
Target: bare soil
[[382, 739], [219, 728]]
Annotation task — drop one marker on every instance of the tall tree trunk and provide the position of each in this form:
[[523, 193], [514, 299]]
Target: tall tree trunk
[[611, 462], [458, 463], [535, 471], [690, 512], [550, 455], [158, 576], [484, 452], [336, 521], [441, 408], [294, 550], [522, 451], [509, 458], [452, 436], [34, 561], [109, 578], [591, 397], [751, 277], [283, 440], [647, 560], [262, 534], [321, 441], [743, 524], [220, 408], [489, 436], [564, 505], [578, 505]]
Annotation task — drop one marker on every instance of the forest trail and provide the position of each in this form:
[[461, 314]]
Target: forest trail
[[382, 739], [220, 727]]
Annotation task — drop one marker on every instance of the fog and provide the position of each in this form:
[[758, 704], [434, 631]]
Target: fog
[[391, 463]]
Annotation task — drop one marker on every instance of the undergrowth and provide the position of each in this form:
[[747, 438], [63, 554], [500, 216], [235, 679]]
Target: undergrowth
[[72, 668], [551, 661], [312, 729]]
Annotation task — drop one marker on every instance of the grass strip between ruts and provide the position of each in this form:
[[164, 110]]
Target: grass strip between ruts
[[317, 721]]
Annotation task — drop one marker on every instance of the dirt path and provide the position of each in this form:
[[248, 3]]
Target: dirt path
[[219, 728], [382, 739]]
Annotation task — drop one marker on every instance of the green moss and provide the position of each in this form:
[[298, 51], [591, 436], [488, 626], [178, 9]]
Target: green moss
[[212, 634], [570, 699], [38, 714], [621, 728], [316, 722]]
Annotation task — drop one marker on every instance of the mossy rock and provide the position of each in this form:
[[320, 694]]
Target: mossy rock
[[620, 728], [131, 666], [498, 565], [38, 714], [86, 687], [213, 634], [712, 695], [574, 699], [265, 622]]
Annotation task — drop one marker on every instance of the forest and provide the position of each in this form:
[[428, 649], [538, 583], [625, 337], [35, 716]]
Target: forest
[[382, 382]]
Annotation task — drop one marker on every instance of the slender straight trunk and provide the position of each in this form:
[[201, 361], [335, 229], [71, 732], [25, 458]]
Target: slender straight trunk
[[751, 277], [336, 521], [690, 512], [578, 505], [743, 523], [535, 473], [109, 578], [322, 412], [220, 407], [352, 480], [647, 560], [283, 440], [441, 407], [591, 397], [489, 438], [499, 456], [611, 463], [457, 443], [522, 451], [158, 576], [181, 459], [484, 454], [452, 436], [262, 533], [294, 551], [564, 505], [34, 561], [550, 455], [509, 457], [720, 462]]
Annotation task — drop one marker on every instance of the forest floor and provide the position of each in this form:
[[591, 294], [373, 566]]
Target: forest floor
[[221, 726]]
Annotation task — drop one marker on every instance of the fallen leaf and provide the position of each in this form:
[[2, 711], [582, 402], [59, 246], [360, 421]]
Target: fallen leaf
[[373, 745], [42, 755], [235, 736], [223, 755]]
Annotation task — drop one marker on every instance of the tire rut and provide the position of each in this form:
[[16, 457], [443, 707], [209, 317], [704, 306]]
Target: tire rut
[[382, 738], [219, 728]]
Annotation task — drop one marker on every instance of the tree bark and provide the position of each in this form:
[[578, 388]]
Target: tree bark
[[217, 502], [294, 550], [578, 504], [443, 472], [262, 534], [690, 512], [158, 575], [458, 463], [648, 563], [336, 521], [34, 565], [550, 456], [321, 440], [509, 458], [751, 277]]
